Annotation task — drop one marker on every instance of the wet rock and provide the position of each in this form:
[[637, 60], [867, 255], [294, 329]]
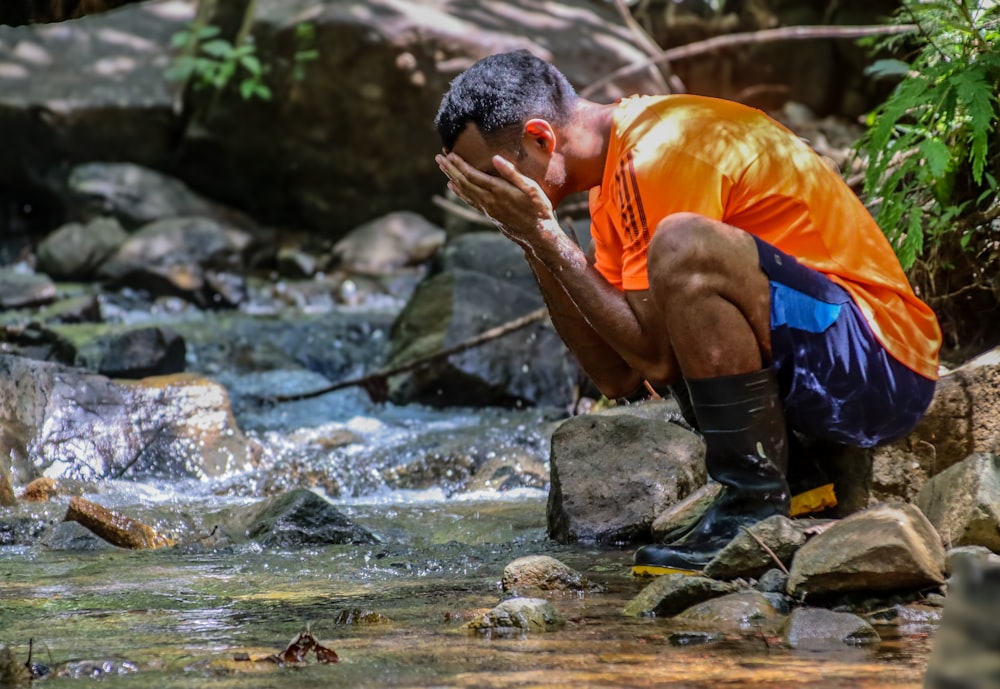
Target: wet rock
[[964, 557], [966, 644], [744, 556], [912, 619], [683, 513], [194, 258], [489, 253], [543, 573], [75, 251], [672, 594], [116, 528], [13, 672], [85, 426], [35, 341], [613, 473], [40, 490], [817, 629], [74, 537], [295, 263], [143, 352], [20, 289], [963, 502], [25, 523], [301, 518], [891, 547], [528, 366], [520, 615], [83, 308], [735, 613], [135, 195], [508, 469], [772, 581], [378, 247], [963, 418], [7, 497]]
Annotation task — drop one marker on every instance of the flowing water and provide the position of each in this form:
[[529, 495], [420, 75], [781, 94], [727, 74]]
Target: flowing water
[[397, 612]]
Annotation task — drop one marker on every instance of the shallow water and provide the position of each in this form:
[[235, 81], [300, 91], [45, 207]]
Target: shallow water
[[180, 617]]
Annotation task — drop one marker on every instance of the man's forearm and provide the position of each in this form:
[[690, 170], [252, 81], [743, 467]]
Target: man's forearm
[[595, 319]]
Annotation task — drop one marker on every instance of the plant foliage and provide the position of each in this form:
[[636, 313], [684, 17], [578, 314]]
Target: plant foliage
[[932, 153], [211, 61]]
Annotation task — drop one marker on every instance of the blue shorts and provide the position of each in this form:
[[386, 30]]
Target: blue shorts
[[837, 382]]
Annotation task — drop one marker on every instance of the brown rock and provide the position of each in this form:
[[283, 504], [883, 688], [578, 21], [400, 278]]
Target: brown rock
[[40, 490], [114, 527]]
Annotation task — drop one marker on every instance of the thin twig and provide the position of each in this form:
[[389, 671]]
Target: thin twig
[[374, 380], [784, 33], [763, 545], [463, 212]]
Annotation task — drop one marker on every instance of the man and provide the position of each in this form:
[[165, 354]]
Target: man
[[730, 263]]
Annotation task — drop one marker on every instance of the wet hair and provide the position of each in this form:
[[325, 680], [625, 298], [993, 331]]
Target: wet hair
[[502, 92]]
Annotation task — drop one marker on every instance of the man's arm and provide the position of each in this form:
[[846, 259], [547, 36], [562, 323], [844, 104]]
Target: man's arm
[[594, 318]]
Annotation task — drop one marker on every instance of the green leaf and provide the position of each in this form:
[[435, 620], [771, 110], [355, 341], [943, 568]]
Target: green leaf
[[979, 101], [937, 155], [263, 92], [251, 64], [247, 89], [219, 48], [881, 69]]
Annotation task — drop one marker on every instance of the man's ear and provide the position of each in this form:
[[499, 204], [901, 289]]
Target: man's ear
[[538, 133]]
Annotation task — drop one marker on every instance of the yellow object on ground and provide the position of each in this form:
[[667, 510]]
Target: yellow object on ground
[[815, 500]]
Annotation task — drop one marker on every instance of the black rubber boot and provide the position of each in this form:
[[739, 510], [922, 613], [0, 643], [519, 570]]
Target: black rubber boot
[[746, 450]]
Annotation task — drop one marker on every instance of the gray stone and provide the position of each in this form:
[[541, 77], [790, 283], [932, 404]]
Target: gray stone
[[745, 557], [543, 573], [525, 615], [144, 352], [19, 290], [388, 243], [184, 257], [613, 473], [744, 612], [528, 366], [74, 537], [489, 253], [963, 502], [75, 251], [821, 629], [301, 518], [890, 547], [772, 581], [671, 594]]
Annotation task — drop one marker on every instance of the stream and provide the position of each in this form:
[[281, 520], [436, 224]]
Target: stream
[[396, 613]]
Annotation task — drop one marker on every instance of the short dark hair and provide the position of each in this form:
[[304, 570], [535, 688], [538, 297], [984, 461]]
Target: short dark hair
[[504, 91]]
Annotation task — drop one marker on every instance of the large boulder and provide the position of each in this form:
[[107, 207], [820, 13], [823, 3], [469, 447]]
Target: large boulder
[[65, 423], [613, 473], [530, 365]]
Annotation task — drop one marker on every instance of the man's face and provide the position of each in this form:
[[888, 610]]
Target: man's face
[[477, 152]]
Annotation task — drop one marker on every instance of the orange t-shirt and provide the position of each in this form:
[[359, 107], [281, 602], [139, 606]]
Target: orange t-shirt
[[732, 163]]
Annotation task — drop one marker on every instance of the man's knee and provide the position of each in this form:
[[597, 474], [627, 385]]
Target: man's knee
[[680, 247]]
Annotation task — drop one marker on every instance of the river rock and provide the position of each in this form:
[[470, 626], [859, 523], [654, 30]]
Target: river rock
[[963, 502], [671, 594], [65, 423], [186, 257], [489, 253], [20, 289], [143, 352], [682, 514], [612, 473], [520, 615], [963, 418], [965, 651], [35, 341], [383, 245], [745, 557], [817, 629], [74, 537], [739, 613], [135, 196], [543, 573], [890, 547], [75, 251], [302, 518], [527, 366]]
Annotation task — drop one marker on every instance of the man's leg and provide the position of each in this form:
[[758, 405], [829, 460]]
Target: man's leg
[[713, 301]]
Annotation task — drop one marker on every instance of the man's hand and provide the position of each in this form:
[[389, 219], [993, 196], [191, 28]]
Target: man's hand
[[514, 202]]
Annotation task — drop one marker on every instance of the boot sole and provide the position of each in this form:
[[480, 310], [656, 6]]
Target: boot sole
[[655, 571]]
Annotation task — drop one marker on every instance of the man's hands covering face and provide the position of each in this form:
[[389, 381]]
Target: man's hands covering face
[[514, 202]]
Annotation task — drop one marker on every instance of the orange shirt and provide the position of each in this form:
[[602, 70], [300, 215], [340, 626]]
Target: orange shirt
[[732, 163]]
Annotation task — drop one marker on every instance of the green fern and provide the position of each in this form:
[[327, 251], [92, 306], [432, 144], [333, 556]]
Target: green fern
[[931, 153]]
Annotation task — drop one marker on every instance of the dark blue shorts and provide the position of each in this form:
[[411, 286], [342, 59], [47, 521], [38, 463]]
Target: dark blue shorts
[[837, 382]]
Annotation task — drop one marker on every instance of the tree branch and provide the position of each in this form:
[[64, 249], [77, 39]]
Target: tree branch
[[783, 33]]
